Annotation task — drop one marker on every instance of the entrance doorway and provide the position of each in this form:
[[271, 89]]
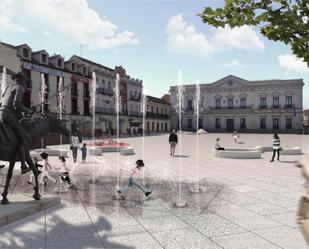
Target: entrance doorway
[[230, 124]]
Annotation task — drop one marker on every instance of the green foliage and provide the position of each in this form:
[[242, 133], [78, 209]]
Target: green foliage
[[278, 20]]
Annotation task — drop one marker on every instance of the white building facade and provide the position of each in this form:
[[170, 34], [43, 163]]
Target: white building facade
[[233, 103]]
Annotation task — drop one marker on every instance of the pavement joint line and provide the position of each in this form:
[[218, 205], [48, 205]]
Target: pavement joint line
[[45, 226], [215, 196], [97, 233], [144, 228]]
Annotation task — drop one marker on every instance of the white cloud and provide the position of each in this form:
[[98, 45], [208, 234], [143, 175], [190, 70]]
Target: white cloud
[[291, 63], [183, 38], [233, 64], [72, 19], [242, 38]]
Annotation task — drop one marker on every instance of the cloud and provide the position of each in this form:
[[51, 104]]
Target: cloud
[[72, 19], [184, 39], [233, 64], [292, 64], [242, 38]]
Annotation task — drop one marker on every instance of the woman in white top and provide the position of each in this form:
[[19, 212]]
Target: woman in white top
[[276, 147]]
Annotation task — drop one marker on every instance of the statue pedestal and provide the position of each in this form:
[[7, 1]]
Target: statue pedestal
[[22, 205]]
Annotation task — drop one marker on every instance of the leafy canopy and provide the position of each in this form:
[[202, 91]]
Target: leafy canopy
[[279, 20]]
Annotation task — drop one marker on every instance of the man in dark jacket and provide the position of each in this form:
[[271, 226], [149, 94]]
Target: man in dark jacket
[[173, 140]]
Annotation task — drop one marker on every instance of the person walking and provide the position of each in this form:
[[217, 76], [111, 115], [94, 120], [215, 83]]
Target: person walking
[[84, 152], [217, 145], [132, 180], [45, 169], [74, 146], [173, 141], [276, 147]]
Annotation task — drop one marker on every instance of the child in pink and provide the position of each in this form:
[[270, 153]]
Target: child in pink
[[46, 168], [132, 180]]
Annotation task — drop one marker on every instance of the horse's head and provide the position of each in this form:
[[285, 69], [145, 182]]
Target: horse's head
[[58, 126]]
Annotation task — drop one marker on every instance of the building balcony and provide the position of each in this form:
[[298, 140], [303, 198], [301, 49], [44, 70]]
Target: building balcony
[[135, 98], [74, 112], [105, 91], [229, 107], [157, 115], [105, 110], [136, 114], [292, 106]]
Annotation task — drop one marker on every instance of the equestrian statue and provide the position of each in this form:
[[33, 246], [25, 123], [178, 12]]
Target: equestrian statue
[[18, 129]]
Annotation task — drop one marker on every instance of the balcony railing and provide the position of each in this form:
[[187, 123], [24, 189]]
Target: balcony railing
[[136, 114], [135, 97], [277, 106], [105, 91], [229, 107], [156, 115], [105, 110]]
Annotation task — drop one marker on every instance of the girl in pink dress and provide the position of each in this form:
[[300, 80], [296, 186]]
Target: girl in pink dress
[[46, 168]]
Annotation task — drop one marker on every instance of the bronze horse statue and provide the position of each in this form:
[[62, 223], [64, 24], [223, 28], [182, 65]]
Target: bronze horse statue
[[33, 130]]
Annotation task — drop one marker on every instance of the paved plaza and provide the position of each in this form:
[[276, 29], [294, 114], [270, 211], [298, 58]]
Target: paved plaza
[[249, 204]]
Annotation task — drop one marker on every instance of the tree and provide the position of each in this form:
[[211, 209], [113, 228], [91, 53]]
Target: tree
[[278, 20]]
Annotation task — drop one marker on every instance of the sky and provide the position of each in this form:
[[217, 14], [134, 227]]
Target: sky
[[151, 39]]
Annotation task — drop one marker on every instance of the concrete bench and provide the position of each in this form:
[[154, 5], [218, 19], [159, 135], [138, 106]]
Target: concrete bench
[[291, 151], [127, 151], [111, 149], [53, 152], [264, 148], [240, 149], [95, 151], [253, 154]]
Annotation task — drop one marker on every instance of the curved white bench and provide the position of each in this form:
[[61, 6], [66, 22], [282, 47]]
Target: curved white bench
[[53, 152], [240, 149], [264, 148], [127, 151], [253, 154], [111, 149], [94, 151], [291, 151]]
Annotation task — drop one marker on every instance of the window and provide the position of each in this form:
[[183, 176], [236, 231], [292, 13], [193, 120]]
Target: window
[[74, 90], [263, 123], [73, 67], [157, 110], [189, 123], [276, 102], [165, 126], [288, 123], [86, 107], [243, 103], [200, 123], [161, 126], [275, 123], [151, 109], [44, 58], [263, 102], [158, 126], [242, 123], [25, 52], [190, 105], [218, 103], [109, 85], [152, 126], [162, 110], [230, 103], [218, 123], [288, 102], [59, 63], [74, 106], [84, 70]]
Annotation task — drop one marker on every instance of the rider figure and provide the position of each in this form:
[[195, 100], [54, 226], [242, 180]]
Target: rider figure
[[12, 110]]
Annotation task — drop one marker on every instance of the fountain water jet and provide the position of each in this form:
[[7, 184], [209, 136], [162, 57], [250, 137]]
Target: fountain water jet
[[180, 109], [3, 81], [197, 188], [61, 91], [42, 95], [143, 111]]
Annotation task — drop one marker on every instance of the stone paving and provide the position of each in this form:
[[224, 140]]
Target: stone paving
[[249, 204]]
